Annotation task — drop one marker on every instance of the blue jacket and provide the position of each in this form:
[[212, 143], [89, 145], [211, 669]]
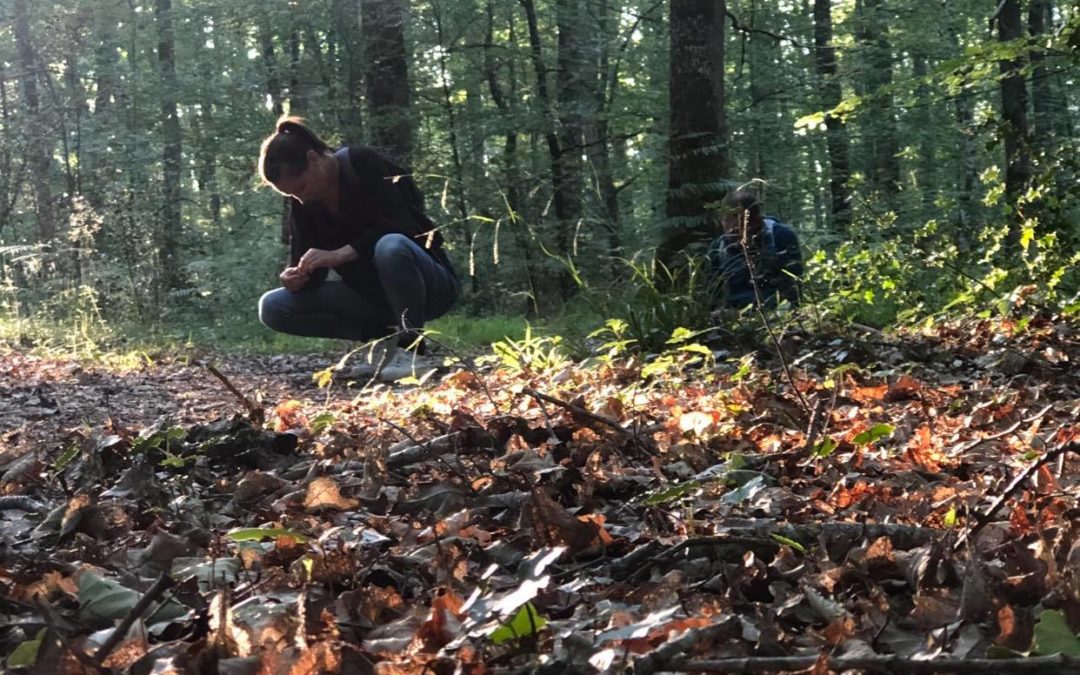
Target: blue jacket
[[778, 264]]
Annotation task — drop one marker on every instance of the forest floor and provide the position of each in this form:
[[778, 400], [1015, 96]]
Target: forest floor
[[868, 502]]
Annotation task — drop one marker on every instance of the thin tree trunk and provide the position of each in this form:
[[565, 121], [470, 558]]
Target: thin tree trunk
[[835, 133], [273, 88], [598, 135], [1043, 126], [964, 115], [39, 155], [563, 179], [298, 102], [387, 77], [883, 137], [1014, 113], [922, 117], [346, 15], [455, 153], [697, 139], [575, 68], [10, 176], [173, 150]]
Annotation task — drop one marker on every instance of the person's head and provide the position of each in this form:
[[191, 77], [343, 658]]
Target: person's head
[[743, 208], [296, 162]]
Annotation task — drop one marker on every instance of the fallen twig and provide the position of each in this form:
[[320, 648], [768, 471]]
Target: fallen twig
[[733, 542], [970, 445], [578, 410], [163, 583], [880, 663], [983, 519], [642, 443], [254, 411], [671, 650]]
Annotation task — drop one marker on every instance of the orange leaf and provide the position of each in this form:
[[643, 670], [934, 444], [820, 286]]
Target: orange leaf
[[289, 415], [1019, 522]]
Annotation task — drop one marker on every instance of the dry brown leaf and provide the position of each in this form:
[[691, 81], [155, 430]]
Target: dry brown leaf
[[324, 493], [555, 527]]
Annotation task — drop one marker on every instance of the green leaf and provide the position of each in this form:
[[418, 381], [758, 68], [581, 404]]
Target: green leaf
[[321, 422], [1027, 234], [104, 600], [526, 622], [950, 517], [323, 378], [695, 348], [156, 439], [677, 491], [260, 533], [1053, 635], [68, 455], [825, 448], [25, 655], [790, 542], [811, 121], [874, 434], [680, 335]]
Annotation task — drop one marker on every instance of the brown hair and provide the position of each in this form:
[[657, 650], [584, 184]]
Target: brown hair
[[284, 152], [742, 200]]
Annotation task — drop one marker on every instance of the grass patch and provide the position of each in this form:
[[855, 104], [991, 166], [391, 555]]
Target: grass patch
[[460, 330]]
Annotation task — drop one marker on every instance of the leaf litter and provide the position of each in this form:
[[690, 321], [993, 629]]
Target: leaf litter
[[578, 519]]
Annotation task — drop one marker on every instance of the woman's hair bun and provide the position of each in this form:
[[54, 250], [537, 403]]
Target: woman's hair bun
[[290, 124]]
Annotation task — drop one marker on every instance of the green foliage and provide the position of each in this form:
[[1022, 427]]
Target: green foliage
[[873, 434], [1053, 635], [658, 303], [260, 533], [526, 622], [531, 353], [25, 655]]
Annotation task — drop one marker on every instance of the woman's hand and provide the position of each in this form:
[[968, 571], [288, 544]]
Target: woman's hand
[[293, 279], [317, 258]]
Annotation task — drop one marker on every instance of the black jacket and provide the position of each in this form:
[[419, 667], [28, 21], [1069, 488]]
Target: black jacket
[[377, 198]]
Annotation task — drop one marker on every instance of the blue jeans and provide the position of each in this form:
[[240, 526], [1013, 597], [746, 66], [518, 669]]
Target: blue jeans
[[418, 288]]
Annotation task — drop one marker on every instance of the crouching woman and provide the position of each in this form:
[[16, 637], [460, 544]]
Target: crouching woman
[[352, 210]]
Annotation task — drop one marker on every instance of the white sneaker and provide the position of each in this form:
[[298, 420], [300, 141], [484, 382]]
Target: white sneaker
[[405, 363], [368, 361]]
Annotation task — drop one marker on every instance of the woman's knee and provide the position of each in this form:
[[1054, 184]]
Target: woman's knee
[[272, 312], [392, 248]]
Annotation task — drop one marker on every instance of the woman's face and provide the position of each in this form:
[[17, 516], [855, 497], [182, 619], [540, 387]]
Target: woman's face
[[310, 184]]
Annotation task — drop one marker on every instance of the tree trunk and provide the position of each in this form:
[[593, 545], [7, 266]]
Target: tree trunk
[[298, 102], [346, 15], [172, 155], [598, 136], [38, 148], [964, 115], [697, 140], [835, 133], [1014, 113], [563, 178], [922, 120], [881, 133], [387, 77], [273, 88], [514, 201], [572, 91], [10, 176], [455, 151]]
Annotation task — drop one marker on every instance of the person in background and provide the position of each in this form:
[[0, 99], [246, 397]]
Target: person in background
[[773, 250], [355, 212]]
